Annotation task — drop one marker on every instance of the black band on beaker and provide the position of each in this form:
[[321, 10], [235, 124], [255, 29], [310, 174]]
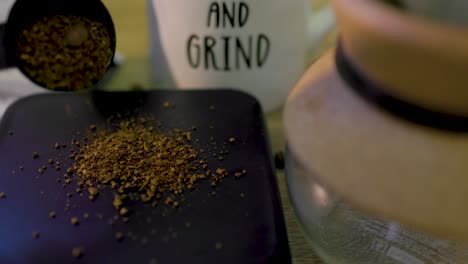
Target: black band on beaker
[[379, 96]]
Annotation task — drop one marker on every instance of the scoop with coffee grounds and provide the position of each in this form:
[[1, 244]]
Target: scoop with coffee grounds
[[59, 45]]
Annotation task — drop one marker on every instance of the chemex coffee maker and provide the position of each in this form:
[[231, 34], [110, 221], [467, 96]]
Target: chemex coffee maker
[[59, 45]]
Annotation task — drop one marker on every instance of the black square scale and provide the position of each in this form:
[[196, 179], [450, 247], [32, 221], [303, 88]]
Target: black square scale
[[239, 221]]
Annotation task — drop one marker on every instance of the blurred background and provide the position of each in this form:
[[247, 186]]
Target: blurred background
[[131, 22]]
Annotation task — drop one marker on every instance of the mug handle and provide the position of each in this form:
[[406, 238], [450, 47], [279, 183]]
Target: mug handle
[[320, 23]]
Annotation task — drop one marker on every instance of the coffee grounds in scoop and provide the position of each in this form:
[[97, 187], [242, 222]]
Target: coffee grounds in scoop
[[65, 53]]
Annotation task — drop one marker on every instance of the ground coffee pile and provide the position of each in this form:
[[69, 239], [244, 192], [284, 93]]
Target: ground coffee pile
[[136, 158], [64, 52]]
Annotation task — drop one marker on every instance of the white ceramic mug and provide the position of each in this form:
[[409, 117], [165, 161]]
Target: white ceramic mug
[[257, 46]]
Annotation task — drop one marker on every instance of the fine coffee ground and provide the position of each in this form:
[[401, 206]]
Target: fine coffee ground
[[64, 52], [135, 157], [139, 162]]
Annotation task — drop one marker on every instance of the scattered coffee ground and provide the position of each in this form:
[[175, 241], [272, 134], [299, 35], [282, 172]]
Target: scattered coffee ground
[[168, 104], [240, 174], [219, 246], [136, 158], [64, 52], [93, 192], [123, 211], [140, 161], [52, 215], [36, 234], [74, 221], [119, 236], [117, 202], [77, 252], [3, 195]]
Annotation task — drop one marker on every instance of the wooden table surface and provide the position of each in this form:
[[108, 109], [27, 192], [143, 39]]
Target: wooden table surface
[[130, 18]]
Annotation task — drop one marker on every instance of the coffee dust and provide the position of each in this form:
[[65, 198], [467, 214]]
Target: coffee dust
[[52, 214], [135, 158], [77, 252], [36, 234], [93, 192], [124, 211], [219, 246], [240, 174], [74, 221], [119, 236]]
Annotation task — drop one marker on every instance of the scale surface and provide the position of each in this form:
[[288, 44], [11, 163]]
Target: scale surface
[[241, 223]]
